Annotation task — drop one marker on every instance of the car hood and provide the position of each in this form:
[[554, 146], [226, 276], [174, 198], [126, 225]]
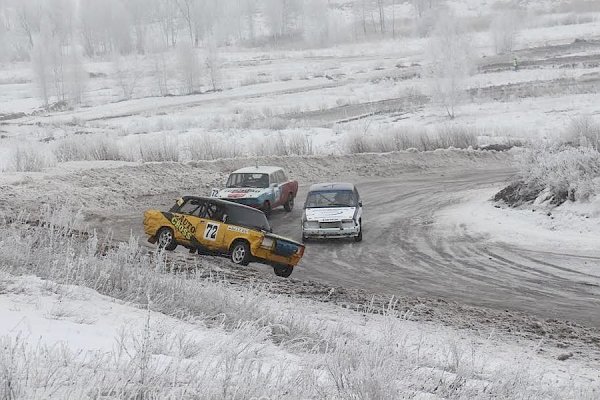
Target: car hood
[[240, 193], [329, 214]]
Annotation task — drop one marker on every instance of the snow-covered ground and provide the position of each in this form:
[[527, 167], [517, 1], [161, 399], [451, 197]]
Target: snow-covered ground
[[73, 342], [79, 323], [569, 228]]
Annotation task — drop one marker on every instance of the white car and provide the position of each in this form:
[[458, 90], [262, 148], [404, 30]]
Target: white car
[[332, 210]]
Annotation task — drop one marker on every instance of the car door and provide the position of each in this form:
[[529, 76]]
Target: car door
[[359, 209], [276, 187], [210, 230], [185, 219]]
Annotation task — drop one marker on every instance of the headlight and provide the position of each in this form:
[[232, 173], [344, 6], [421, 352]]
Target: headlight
[[348, 223], [267, 243], [311, 225]]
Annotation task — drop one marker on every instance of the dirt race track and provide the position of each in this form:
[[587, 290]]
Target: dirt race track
[[403, 255], [436, 273]]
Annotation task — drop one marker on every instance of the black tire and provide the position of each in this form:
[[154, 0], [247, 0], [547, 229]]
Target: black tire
[[289, 204], [266, 208], [304, 239], [283, 271], [359, 237], [165, 239], [240, 253]]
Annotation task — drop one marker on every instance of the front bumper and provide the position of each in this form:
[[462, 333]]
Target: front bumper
[[342, 231]]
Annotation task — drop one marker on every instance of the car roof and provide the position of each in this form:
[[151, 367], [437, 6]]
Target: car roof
[[259, 169], [332, 186], [222, 202]]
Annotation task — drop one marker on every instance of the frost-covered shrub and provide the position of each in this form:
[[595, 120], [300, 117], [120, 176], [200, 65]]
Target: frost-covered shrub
[[297, 144], [32, 158], [83, 148], [404, 139], [583, 131], [554, 174], [211, 146], [164, 149]]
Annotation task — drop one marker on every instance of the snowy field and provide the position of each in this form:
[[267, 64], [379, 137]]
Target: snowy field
[[451, 295]]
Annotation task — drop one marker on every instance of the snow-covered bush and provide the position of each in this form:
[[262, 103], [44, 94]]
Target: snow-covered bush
[[583, 131], [555, 174], [406, 138], [79, 148], [32, 158]]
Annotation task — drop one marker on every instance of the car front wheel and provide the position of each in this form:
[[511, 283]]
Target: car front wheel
[[240, 253], [283, 271], [358, 238], [166, 239]]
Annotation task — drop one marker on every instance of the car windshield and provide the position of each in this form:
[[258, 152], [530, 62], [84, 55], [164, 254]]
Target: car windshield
[[248, 180], [248, 218], [331, 198]]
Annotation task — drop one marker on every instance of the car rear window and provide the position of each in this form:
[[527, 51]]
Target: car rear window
[[248, 218]]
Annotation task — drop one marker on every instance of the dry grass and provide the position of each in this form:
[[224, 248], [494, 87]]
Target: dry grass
[[406, 139]]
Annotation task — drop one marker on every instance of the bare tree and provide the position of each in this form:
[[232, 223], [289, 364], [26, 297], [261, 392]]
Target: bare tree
[[316, 25], [76, 76], [30, 15], [161, 73], [283, 16], [381, 11], [213, 64], [249, 11], [95, 25], [39, 61], [166, 12], [449, 63], [127, 73], [503, 30], [186, 7], [189, 67], [138, 15]]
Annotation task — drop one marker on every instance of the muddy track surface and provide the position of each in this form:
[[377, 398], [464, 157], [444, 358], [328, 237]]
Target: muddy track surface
[[403, 253]]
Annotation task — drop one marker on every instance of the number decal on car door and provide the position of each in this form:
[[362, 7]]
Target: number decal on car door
[[210, 233]]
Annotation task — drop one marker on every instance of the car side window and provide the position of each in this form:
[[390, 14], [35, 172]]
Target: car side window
[[281, 176], [356, 196], [192, 207], [214, 212], [273, 179]]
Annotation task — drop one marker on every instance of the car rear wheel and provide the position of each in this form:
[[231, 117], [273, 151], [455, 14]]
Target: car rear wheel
[[166, 239], [283, 271], [240, 253], [289, 204]]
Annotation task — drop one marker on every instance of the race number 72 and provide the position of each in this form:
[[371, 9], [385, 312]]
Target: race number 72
[[210, 233]]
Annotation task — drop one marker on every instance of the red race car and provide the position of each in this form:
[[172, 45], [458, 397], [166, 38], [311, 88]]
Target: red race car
[[263, 187]]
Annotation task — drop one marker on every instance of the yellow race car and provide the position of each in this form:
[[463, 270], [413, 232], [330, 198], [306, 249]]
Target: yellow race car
[[219, 226]]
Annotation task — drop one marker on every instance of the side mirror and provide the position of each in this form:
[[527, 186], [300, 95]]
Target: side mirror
[[360, 203]]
